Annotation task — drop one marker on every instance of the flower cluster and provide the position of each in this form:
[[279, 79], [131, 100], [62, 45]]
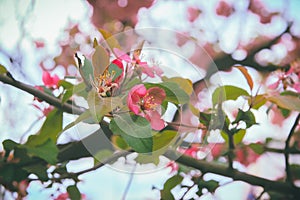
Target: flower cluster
[[108, 81], [289, 79]]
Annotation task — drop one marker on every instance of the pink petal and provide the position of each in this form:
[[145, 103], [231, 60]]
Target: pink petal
[[275, 85], [146, 69], [55, 80], [47, 80], [134, 96], [297, 87], [158, 94], [122, 55], [155, 120], [158, 71]]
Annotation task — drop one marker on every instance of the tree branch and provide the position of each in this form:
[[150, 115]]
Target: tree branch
[[41, 95], [206, 167]]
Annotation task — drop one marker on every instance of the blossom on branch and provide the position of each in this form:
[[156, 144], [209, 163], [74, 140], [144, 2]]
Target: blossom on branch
[[146, 103], [138, 65], [50, 81]]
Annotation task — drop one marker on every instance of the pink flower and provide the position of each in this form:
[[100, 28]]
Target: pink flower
[[224, 9], [193, 13], [140, 65], [65, 196], [173, 165], [192, 151], [146, 103], [50, 81], [106, 83]]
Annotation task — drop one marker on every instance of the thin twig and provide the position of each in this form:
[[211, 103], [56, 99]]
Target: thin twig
[[287, 146], [260, 195], [129, 182]]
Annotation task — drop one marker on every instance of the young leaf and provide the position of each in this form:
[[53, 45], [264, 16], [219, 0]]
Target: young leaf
[[113, 68], [227, 92], [101, 106], [185, 84], [246, 75], [257, 148], [237, 137], [169, 185], [287, 102], [174, 93], [84, 116], [73, 192], [3, 70], [86, 72], [257, 101], [246, 116], [135, 130], [100, 60], [110, 40]]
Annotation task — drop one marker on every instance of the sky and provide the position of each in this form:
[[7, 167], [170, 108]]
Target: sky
[[47, 22]]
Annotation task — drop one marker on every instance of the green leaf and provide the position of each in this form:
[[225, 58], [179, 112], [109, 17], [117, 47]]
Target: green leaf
[[9, 145], [50, 129], [166, 194], [73, 192], [65, 84], [47, 151], [80, 90], [3, 70], [185, 84], [295, 171], [100, 106], [287, 102], [163, 140], [135, 130], [100, 60], [119, 142], [257, 101], [257, 148], [101, 155], [237, 137], [210, 185], [174, 93], [84, 116], [67, 95], [113, 68], [110, 40], [246, 116], [39, 170], [86, 71], [227, 92]]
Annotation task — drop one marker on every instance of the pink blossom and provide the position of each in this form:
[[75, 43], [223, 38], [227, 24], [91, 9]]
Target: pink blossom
[[146, 103], [50, 81], [193, 13], [224, 9], [39, 44], [173, 165], [191, 151], [140, 65], [65, 196], [107, 82]]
